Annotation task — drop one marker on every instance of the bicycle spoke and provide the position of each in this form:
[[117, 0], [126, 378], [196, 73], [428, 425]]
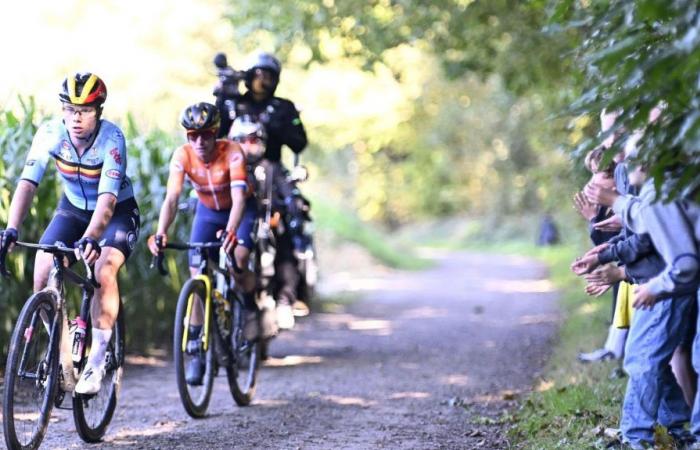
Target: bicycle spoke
[[30, 402]]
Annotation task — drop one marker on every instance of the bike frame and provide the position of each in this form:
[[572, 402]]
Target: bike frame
[[204, 276], [207, 312], [56, 288]]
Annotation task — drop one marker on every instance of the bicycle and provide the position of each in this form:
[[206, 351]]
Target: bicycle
[[222, 342], [43, 365]]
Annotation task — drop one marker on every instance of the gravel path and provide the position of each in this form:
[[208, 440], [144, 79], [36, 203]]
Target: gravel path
[[421, 360]]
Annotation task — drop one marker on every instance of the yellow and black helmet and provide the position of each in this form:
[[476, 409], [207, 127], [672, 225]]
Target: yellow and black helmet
[[83, 88], [200, 116]]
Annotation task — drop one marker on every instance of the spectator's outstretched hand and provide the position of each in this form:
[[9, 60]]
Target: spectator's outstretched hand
[[643, 298], [612, 223], [600, 195], [597, 291], [597, 249], [606, 275], [585, 264], [587, 209]]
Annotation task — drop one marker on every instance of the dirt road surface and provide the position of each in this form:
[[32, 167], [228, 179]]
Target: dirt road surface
[[419, 360]]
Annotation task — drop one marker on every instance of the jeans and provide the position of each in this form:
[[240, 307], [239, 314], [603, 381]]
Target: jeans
[[695, 418], [653, 396]]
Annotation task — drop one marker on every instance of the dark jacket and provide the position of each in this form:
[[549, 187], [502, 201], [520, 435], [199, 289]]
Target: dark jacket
[[597, 236], [280, 117], [637, 253]]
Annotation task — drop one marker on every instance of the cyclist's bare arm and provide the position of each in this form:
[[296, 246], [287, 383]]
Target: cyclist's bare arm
[[237, 207], [104, 210], [103, 214], [169, 208], [21, 202]]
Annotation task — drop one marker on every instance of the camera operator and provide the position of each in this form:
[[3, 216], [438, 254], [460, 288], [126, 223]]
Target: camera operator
[[283, 126]]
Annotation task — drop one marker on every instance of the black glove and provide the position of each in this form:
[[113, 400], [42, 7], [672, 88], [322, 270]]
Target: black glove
[[7, 237], [83, 242]]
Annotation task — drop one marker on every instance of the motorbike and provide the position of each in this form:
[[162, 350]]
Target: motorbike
[[278, 214]]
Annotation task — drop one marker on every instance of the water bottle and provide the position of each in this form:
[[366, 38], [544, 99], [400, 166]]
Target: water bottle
[[78, 339]]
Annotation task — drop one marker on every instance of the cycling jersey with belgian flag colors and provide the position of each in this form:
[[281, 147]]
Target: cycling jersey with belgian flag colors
[[212, 181], [100, 169]]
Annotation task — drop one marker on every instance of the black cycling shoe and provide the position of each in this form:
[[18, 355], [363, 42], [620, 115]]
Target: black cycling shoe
[[194, 372]]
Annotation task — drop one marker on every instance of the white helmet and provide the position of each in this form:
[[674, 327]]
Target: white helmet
[[246, 131]]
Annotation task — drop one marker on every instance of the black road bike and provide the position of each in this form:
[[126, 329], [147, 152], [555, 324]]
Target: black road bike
[[45, 359], [221, 343]]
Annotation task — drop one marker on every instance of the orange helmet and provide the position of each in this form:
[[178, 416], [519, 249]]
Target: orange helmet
[[83, 88]]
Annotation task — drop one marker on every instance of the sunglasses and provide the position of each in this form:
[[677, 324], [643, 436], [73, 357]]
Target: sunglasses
[[248, 139], [85, 111], [205, 135]]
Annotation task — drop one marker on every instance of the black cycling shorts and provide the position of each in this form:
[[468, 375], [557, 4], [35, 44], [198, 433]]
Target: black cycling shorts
[[69, 223]]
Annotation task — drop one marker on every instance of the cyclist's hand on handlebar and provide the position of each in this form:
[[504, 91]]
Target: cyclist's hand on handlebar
[[8, 238], [228, 241], [88, 249], [157, 242]]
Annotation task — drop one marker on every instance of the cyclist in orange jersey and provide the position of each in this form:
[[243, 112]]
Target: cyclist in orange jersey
[[217, 171]]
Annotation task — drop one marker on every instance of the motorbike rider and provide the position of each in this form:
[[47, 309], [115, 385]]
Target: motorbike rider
[[283, 127]]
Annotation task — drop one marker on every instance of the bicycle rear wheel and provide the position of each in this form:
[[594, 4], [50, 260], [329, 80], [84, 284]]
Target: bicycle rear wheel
[[93, 413], [32, 371], [195, 398], [243, 373]]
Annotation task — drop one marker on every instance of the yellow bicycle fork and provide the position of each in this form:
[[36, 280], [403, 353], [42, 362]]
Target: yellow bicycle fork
[[207, 310]]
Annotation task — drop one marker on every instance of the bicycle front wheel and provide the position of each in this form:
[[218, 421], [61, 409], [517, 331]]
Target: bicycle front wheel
[[32, 371], [93, 413], [194, 396], [243, 373]]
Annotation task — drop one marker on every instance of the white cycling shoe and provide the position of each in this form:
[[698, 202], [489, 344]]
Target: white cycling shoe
[[90, 380]]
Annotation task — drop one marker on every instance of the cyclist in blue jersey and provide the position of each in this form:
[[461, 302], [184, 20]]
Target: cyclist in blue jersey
[[97, 213]]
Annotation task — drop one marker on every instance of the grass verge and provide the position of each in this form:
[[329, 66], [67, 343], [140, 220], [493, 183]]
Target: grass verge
[[573, 403], [347, 226]]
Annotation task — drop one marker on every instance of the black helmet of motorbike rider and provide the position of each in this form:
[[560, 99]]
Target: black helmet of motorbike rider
[[266, 68], [251, 136]]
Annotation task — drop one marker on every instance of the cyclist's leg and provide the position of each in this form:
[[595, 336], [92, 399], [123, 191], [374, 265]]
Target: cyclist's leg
[[256, 325], [105, 303], [246, 279], [286, 281], [66, 226], [205, 224], [118, 241]]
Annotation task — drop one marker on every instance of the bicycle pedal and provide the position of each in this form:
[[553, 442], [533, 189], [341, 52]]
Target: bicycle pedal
[[60, 402]]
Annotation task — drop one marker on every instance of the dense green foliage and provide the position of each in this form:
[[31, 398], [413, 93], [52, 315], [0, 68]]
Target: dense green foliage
[[577, 56], [637, 54], [483, 37], [476, 134]]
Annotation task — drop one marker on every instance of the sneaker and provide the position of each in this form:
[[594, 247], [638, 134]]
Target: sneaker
[[90, 380], [601, 354], [300, 309], [194, 372], [285, 316]]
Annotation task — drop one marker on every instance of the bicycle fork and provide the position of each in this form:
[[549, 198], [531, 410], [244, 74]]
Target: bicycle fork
[[207, 313]]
